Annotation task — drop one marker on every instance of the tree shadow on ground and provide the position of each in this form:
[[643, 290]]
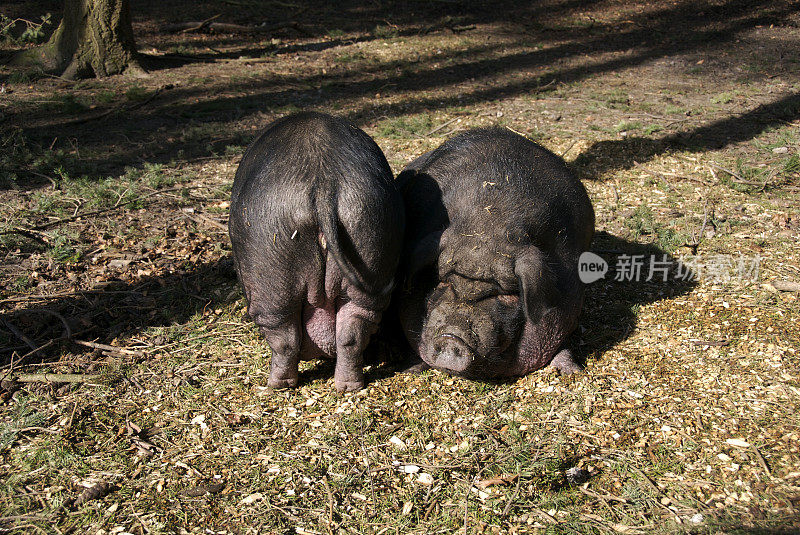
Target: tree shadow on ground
[[115, 309], [180, 123], [605, 156]]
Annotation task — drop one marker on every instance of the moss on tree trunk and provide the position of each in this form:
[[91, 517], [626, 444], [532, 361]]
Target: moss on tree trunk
[[95, 38]]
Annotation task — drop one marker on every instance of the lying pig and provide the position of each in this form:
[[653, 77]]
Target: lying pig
[[495, 226], [316, 225]]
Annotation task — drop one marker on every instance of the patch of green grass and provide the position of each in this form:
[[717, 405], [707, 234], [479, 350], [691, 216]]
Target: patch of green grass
[[617, 99], [405, 127], [643, 223], [105, 96], [791, 165], [151, 175], [350, 57], [72, 104], [725, 97], [385, 31], [64, 247], [21, 415], [628, 126], [24, 76], [671, 109], [335, 33], [137, 93], [652, 129]]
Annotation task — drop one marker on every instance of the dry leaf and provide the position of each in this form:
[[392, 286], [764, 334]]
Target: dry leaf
[[504, 479]]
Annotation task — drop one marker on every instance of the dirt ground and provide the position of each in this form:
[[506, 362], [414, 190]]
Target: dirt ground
[[133, 395]]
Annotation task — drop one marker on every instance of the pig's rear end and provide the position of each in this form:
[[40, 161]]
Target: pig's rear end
[[316, 226]]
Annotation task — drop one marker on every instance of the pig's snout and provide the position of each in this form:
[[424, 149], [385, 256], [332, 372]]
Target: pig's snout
[[452, 353]]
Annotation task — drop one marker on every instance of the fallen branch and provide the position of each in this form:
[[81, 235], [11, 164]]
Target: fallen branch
[[223, 27], [32, 234], [202, 25]]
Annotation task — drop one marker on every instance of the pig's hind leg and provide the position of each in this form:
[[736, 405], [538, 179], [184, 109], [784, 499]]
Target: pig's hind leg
[[284, 340], [565, 362], [354, 327]]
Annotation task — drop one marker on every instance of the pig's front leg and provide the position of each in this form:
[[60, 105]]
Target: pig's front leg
[[284, 341], [354, 327], [565, 362]]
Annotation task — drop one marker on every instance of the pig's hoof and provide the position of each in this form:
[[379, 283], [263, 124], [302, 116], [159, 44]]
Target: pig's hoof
[[291, 382], [565, 363], [349, 386]]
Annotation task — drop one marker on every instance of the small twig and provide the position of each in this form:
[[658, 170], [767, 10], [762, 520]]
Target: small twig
[[32, 352], [564, 153], [735, 177], [36, 428], [54, 378], [22, 517], [72, 415], [507, 508], [699, 237], [602, 496], [200, 218], [470, 484], [545, 516], [330, 503], [32, 234], [456, 129], [711, 343], [104, 210], [440, 126], [19, 334], [786, 286], [125, 108], [761, 461], [96, 345], [656, 174]]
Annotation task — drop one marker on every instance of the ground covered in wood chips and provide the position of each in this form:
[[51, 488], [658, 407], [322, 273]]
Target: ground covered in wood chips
[[133, 395]]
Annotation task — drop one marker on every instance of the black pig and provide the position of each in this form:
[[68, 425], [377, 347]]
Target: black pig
[[495, 226], [316, 225]]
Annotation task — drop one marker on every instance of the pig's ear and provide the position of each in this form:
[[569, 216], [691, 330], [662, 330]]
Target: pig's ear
[[537, 282], [426, 253]]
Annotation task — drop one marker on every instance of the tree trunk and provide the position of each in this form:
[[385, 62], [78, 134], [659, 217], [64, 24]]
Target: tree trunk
[[95, 38]]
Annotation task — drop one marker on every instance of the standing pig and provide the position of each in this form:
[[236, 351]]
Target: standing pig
[[495, 226], [316, 225]]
